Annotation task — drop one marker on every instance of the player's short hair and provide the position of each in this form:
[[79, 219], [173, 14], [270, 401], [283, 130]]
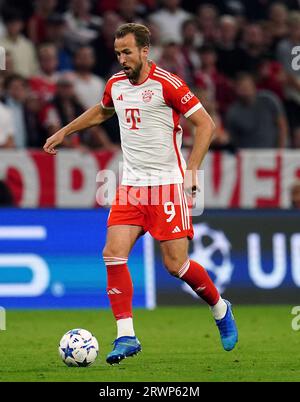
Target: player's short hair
[[140, 32]]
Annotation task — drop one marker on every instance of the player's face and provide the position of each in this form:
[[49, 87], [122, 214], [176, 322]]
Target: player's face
[[131, 57]]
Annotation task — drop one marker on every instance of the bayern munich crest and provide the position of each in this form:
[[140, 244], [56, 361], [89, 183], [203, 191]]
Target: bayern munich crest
[[147, 95]]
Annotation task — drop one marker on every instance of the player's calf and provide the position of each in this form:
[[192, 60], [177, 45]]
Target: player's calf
[[197, 277]]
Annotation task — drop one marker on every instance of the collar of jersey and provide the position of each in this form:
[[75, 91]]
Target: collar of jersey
[[153, 66]]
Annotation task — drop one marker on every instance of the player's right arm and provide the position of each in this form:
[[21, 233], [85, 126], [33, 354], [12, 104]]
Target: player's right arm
[[91, 117]]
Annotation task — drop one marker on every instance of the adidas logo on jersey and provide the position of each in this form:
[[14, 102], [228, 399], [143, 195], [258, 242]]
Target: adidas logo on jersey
[[120, 97], [176, 230]]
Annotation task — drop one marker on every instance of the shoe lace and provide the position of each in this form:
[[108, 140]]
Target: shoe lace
[[117, 342]]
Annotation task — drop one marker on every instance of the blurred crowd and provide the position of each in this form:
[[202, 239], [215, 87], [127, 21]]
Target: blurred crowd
[[241, 58]]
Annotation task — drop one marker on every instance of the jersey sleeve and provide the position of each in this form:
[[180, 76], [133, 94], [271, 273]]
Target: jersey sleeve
[[107, 101], [181, 98]]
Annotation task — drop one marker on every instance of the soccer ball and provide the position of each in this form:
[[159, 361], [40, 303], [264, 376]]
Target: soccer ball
[[78, 347]]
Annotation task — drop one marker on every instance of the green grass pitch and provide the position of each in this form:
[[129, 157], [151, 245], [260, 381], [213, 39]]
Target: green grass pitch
[[179, 344]]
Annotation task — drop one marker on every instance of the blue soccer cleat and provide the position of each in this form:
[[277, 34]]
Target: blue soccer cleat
[[124, 346], [228, 329]]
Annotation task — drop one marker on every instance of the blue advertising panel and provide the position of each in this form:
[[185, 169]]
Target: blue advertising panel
[[52, 259], [252, 257]]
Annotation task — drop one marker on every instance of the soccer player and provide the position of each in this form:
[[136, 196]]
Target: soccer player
[[148, 101]]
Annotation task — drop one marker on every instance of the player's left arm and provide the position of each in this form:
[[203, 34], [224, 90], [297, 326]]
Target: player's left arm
[[184, 102], [204, 128]]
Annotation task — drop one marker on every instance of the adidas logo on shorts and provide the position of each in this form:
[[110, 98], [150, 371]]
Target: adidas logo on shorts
[[176, 230]]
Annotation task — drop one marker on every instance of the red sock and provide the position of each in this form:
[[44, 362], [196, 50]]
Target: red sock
[[119, 287], [197, 277]]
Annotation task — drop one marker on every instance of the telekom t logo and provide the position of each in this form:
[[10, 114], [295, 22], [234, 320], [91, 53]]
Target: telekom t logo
[[133, 117]]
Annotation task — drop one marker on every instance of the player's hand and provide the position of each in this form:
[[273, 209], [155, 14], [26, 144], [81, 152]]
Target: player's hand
[[53, 141], [191, 185]]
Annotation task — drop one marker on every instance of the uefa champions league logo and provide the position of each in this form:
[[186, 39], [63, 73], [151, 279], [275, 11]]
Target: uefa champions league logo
[[212, 250]]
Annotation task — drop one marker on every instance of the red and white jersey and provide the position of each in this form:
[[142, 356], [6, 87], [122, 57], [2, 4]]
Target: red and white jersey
[[151, 136]]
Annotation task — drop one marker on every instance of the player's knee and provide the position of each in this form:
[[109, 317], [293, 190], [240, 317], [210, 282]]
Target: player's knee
[[112, 251], [109, 252], [173, 264]]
